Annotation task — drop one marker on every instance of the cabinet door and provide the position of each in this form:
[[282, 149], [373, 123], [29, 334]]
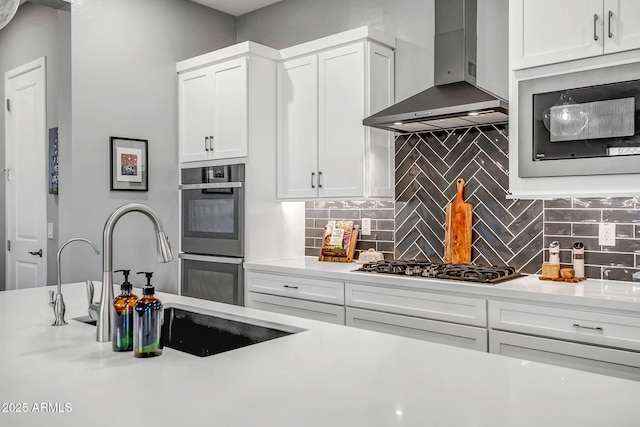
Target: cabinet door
[[423, 329], [550, 31], [295, 307], [380, 178], [230, 108], [296, 287], [341, 135], [415, 303], [194, 113], [570, 324], [607, 361], [298, 128], [622, 26]]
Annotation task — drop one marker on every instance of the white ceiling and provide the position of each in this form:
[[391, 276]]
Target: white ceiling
[[236, 7]]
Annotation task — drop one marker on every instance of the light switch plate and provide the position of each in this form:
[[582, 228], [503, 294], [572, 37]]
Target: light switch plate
[[607, 234], [366, 226], [49, 230]]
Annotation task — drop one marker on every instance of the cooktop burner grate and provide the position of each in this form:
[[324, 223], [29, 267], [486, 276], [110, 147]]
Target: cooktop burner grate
[[464, 272]]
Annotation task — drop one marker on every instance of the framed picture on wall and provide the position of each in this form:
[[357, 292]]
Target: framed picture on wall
[[129, 160]]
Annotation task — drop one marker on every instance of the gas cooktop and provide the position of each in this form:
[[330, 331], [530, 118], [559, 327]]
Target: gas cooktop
[[489, 275]]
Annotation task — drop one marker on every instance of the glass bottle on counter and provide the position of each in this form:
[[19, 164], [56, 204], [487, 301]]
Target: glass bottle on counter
[[122, 336], [147, 322]]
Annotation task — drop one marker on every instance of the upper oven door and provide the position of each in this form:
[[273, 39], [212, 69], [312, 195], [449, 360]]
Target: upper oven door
[[213, 218]]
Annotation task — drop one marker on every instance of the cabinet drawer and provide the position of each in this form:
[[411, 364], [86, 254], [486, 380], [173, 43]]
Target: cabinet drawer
[[607, 361], [413, 327], [296, 287], [295, 307], [469, 311], [605, 329]]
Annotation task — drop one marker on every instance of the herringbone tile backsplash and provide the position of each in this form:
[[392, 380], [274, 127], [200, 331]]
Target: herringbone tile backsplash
[[505, 231]]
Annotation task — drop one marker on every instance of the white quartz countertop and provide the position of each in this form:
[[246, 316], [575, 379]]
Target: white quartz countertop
[[608, 294], [328, 375]]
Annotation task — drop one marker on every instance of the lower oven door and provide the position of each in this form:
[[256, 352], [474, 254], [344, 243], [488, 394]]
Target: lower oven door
[[218, 279]]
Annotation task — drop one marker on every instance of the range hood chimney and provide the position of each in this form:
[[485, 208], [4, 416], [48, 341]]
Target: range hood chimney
[[455, 100]]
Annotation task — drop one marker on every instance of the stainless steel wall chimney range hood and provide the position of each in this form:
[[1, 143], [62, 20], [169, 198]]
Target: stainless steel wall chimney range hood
[[455, 100]]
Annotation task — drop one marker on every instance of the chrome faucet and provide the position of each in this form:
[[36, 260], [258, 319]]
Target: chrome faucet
[[55, 300], [105, 311]]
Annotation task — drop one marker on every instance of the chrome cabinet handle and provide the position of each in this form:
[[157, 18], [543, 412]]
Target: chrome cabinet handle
[[289, 287], [595, 22], [319, 179], [591, 328], [313, 180], [211, 143], [206, 143], [610, 15], [39, 253]]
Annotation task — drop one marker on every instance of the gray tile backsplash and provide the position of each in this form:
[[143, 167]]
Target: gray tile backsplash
[[505, 231], [572, 220], [382, 224]]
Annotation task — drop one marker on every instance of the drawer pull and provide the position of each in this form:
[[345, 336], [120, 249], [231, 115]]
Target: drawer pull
[[289, 287], [597, 328]]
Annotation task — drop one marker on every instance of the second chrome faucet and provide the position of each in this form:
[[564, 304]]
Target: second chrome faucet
[[56, 301]]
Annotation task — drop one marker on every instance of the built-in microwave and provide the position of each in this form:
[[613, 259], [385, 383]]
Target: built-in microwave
[[581, 123]]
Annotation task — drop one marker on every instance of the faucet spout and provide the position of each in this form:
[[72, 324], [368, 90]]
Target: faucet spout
[[105, 312], [56, 301]]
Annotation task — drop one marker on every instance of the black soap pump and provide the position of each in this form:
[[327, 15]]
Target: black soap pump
[[147, 322], [122, 335]]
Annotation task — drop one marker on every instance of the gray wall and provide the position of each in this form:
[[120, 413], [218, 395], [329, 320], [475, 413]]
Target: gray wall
[[125, 84], [291, 22], [33, 32]]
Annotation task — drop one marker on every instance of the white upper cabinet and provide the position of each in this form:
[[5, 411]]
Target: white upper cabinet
[[230, 108], [297, 125], [622, 27], [341, 98], [552, 31], [214, 101], [213, 111], [325, 89], [195, 115]]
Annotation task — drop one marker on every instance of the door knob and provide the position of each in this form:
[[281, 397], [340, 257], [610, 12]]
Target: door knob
[[39, 253]]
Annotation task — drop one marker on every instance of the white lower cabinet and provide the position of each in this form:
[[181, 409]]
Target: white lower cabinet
[[446, 319], [574, 337], [297, 296], [414, 327], [601, 360], [296, 307], [587, 338]]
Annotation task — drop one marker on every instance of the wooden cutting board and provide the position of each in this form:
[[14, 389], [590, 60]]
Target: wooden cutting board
[[457, 240]]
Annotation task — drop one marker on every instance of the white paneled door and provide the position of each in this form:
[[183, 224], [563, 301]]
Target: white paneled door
[[25, 176]]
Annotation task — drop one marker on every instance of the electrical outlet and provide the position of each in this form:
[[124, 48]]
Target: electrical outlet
[[366, 226], [49, 230], [607, 234]]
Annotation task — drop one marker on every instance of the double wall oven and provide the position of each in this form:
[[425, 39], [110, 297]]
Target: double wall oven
[[212, 233]]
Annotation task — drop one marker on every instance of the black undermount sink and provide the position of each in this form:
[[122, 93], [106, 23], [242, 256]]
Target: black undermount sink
[[204, 334]]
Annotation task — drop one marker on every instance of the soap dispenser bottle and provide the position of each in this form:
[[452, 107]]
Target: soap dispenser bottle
[[147, 322], [122, 336]]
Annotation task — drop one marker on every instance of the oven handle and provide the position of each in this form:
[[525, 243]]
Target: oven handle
[[222, 260], [208, 185]]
